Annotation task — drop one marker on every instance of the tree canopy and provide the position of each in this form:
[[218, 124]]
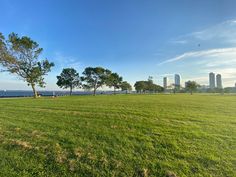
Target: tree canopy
[[114, 80], [19, 55], [191, 86], [95, 77], [143, 86], [140, 86], [69, 78], [125, 86]]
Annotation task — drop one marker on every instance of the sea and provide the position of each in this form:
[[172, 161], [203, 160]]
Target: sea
[[28, 93]]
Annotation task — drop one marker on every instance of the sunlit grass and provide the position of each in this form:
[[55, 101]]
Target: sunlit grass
[[119, 135]]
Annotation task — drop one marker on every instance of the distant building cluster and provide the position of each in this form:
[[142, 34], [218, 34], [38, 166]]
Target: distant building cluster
[[177, 83], [215, 82]]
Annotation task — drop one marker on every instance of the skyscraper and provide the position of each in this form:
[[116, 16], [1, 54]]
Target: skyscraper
[[177, 80], [212, 80], [218, 81], [165, 83]]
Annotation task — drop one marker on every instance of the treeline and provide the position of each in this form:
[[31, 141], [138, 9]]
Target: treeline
[[92, 78]]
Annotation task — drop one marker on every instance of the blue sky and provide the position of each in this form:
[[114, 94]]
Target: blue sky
[[136, 38]]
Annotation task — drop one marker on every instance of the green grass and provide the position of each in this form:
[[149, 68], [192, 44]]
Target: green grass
[[119, 135]]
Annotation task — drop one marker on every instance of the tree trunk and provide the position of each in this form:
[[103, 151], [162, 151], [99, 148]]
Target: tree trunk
[[94, 91], [114, 90], [70, 91], [126, 91], [34, 91], [191, 92]]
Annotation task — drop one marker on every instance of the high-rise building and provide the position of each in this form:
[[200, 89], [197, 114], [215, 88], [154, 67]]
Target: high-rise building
[[165, 80], [218, 81], [212, 80], [177, 80]]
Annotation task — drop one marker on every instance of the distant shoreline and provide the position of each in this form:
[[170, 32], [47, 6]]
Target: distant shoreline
[[28, 93]]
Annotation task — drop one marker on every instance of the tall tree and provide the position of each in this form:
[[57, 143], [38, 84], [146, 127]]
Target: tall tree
[[19, 55], [69, 78], [125, 86], [191, 86], [114, 80], [95, 78], [141, 86]]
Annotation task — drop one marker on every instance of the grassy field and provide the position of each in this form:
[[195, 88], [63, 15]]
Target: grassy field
[[119, 135]]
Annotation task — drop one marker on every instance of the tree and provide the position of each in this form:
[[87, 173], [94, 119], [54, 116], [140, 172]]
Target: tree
[[156, 88], [140, 86], [125, 86], [143, 86], [176, 88], [191, 86], [114, 80], [95, 78], [19, 55], [69, 78]]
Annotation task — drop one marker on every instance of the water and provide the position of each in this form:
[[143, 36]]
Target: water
[[28, 93]]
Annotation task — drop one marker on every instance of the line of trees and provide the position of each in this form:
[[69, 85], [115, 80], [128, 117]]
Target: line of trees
[[92, 78], [190, 87]]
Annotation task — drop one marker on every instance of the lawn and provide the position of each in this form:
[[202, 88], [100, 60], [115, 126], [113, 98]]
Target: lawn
[[119, 135]]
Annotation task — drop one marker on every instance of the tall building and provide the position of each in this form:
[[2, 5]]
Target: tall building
[[177, 80], [212, 81], [218, 81], [165, 80]]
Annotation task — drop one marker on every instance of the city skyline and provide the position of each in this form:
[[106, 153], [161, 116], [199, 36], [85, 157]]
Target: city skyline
[[215, 81], [135, 39]]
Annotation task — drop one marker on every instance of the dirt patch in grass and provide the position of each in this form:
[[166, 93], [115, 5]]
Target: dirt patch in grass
[[23, 144], [78, 152], [61, 155]]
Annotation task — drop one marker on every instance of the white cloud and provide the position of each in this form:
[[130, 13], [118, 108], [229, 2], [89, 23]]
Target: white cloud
[[179, 41], [220, 52], [196, 65], [63, 61], [222, 33], [166, 74]]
